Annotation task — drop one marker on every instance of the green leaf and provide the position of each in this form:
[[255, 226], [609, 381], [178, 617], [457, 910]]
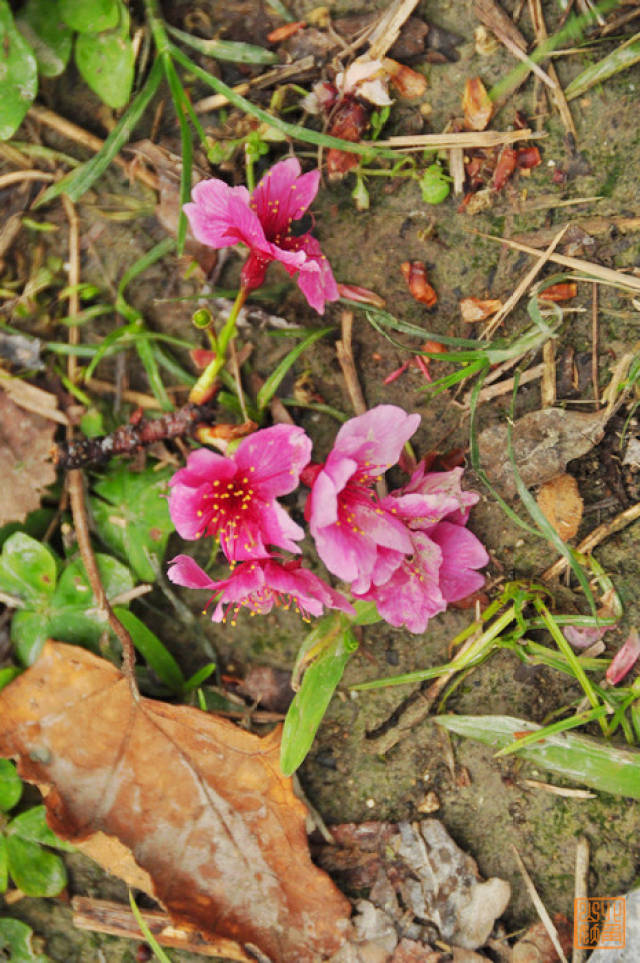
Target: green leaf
[[10, 785], [132, 516], [366, 613], [8, 674], [4, 873], [199, 677], [40, 24], [271, 385], [89, 16], [35, 870], [29, 632], [27, 568], [152, 650], [106, 61], [311, 701], [73, 616], [589, 761], [15, 939], [241, 53], [619, 59], [18, 74], [32, 825], [75, 184]]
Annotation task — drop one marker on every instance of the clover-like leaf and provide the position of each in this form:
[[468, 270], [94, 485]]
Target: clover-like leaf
[[4, 869], [27, 569], [34, 870], [106, 61], [89, 16], [73, 615], [18, 74], [132, 517], [50, 38], [32, 826], [15, 940], [10, 785]]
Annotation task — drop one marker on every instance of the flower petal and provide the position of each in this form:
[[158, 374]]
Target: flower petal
[[462, 552], [184, 571], [376, 438], [273, 459], [220, 215]]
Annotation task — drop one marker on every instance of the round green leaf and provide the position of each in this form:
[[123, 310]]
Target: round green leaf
[[32, 825], [40, 24], [18, 74], [106, 62], [15, 939], [27, 568], [4, 871], [35, 870], [152, 650], [89, 16], [73, 614], [10, 785], [29, 632]]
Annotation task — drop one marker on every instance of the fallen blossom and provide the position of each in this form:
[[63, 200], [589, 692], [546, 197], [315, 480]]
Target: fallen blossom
[[234, 497], [625, 659], [504, 168], [221, 216], [259, 585], [353, 292], [476, 104], [346, 519], [559, 292], [406, 82], [442, 566], [366, 79], [478, 309], [415, 274]]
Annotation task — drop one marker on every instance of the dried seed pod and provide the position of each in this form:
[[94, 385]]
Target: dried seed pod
[[285, 31], [478, 309], [415, 274], [504, 168], [405, 81], [350, 122], [476, 104], [559, 292]]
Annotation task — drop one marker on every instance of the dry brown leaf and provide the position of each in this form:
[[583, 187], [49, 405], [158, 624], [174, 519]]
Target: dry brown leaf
[[476, 104], [561, 504], [200, 804], [543, 443], [25, 466], [478, 309]]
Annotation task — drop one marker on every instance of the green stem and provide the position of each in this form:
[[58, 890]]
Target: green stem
[[201, 391], [248, 164], [158, 32]]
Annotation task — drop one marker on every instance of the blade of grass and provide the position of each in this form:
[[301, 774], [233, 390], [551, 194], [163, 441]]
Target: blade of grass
[[186, 141], [581, 758], [75, 184], [272, 383], [620, 59], [152, 651], [146, 932], [111, 341], [150, 364], [241, 53]]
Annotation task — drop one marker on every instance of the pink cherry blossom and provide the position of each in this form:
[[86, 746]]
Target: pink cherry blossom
[[347, 521], [259, 585], [441, 566], [624, 659], [234, 497], [221, 216]]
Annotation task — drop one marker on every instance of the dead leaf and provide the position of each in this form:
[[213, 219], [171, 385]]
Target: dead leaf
[[477, 309], [543, 443], [200, 804], [434, 880], [26, 470], [559, 292], [561, 504], [536, 946], [406, 82], [476, 104]]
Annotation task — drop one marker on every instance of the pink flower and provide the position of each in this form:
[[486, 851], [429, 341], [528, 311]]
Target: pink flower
[[220, 216], [259, 585], [234, 497], [347, 521], [441, 565]]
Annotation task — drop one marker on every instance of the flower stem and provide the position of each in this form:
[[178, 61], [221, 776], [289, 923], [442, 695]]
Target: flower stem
[[203, 388]]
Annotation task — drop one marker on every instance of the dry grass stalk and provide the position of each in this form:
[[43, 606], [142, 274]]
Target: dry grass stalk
[[540, 908], [594, 539], [548, 383], [581, 888], [466, 140], [559, 99], [388, 27]]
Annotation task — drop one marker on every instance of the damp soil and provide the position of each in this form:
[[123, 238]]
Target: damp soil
[[483, 802]]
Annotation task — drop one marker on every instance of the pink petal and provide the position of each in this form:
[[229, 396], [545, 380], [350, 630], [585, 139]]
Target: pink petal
[[184, 571], [219, 215], [186, 509], [582, 636], [347, 555], [376, 438], [443, 494], [625, 659], [283, 196], [316, 280], [273, 458], [462, 552]]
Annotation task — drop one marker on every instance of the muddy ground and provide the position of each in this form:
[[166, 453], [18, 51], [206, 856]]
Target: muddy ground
[[493, 810]]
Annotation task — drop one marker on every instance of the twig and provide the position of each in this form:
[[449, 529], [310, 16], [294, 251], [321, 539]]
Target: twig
[[387, 30], [75, 487], [597, 271], [595, 537], [345, 357], [466, 139], [17, 177], [74, 280], [135, 397], [275, 76], [540, 908], [104, 916], [557, 93], [548, 381], [81, 136], [595, 344], [506, 387], [564, 791], [581, 890], [523, 286], [544, 75]]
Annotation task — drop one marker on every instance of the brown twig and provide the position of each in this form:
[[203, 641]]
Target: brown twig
[[541, 909], [581, 886], [17, 177], [348, 366], [595, 344], [75, 487], [557, 93], [595, 537]]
